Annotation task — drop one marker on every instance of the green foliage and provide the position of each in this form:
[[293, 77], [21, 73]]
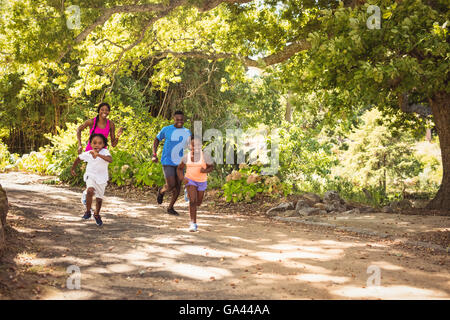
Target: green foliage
[[379, 156], [6, 159], [36, 162], [302, 156], [247, 182], [138, 170]]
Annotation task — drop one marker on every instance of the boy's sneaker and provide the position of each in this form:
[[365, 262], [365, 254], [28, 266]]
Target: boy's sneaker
[[193, 227], [87, 215], [98, 220], [83, 197]]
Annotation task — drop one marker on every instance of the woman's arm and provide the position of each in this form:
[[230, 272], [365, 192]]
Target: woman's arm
[[112, 132], [87, 123]]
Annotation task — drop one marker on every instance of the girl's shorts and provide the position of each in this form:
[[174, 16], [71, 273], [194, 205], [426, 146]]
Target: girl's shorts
[[98, 187], [201, 186]]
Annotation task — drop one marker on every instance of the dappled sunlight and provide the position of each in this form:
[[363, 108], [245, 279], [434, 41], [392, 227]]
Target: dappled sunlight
[[203, 273], [389, 292], [386, 265], [140, 247], [120, 268], [329, 254], [204, 251], [240, 239], [68, 295], [314, 277]]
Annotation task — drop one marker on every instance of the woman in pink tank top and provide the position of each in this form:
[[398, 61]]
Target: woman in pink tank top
[[100, 124]]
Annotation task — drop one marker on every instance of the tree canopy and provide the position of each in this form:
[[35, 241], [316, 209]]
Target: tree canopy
[[321, 51]]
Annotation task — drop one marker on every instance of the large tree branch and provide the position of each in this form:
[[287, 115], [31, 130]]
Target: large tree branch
[[272, 59], [161, 9]]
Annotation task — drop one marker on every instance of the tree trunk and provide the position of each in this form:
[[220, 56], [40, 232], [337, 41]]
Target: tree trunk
[[428, 135], [440, 105], [3, 212], [289, 110]]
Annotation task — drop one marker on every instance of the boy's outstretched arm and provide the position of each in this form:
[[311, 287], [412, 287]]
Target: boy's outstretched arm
[[75, 164]]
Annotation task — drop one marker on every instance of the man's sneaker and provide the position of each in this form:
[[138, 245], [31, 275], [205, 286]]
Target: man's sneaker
[[87, 215], [83, 197], [159, 196], [193, 227], [172, 212], [98, 220]]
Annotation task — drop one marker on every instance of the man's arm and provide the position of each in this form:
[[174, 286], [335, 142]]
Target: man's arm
[[155, 149]]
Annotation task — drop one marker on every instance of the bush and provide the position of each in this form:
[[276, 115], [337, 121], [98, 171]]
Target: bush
[[246, 183], [136, 169], [6, 159], [36, 162]]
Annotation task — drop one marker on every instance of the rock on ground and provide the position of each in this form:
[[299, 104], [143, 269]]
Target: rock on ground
[[311, 198], [331, 196], [310, 211], [301, 204], [281, 207]]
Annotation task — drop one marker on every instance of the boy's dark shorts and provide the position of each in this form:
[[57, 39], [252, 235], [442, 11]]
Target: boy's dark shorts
[[170, 171]]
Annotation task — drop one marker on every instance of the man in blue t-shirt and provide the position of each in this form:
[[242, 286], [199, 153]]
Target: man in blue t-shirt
[[176, 138]]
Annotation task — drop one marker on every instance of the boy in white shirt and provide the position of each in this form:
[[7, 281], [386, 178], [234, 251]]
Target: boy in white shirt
[[96, 175]]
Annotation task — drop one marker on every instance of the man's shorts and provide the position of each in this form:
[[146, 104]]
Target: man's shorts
[[98, 187], [170, 171], [201, 186]]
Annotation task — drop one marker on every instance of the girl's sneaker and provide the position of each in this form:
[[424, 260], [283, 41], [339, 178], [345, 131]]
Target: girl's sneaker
[[193, 227], [87, 215], [83, 197], [98, 220]]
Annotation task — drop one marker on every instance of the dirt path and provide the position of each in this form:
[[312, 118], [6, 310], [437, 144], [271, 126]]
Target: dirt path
[[143, 253]]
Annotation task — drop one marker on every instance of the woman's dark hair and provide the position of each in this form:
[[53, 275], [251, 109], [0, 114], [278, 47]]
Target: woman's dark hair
[[97, 117], [105, 141]]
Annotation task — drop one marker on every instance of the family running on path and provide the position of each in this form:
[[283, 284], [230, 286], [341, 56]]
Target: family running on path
[[174, 161]]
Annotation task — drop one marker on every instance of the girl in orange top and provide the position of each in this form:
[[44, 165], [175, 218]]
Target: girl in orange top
[[197, 165]]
